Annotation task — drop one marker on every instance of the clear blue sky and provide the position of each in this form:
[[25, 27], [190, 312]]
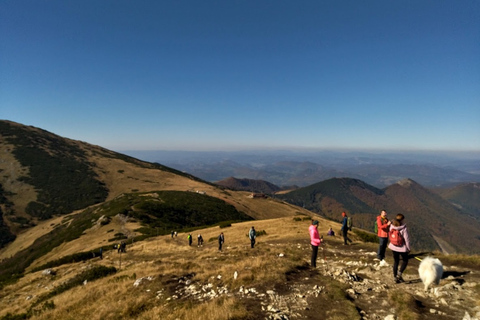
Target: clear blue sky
[[217, 75]]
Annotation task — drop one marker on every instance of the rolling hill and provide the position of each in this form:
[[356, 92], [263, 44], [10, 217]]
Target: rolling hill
[[259, 186], [465, 196], [435, 223]]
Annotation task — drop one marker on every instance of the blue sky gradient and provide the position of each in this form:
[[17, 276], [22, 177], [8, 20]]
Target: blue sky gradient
[[227, 75]]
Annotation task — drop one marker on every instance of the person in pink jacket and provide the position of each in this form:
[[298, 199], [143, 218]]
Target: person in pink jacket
[[314, 241], [399, 250]]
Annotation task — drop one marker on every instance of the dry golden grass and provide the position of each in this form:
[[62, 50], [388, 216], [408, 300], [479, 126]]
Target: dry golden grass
[[164, 258]]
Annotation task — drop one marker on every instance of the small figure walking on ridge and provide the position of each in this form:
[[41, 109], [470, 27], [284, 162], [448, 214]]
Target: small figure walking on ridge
[[189, 237], [221, 240], [314, 241], [200, 240], [400, 246], [252, 235], [383, 225], [345, 228]]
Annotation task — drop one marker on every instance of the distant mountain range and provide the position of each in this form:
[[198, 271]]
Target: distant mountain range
[[284, 168]]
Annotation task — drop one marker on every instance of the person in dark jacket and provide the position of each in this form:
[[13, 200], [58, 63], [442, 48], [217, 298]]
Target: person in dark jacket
[[345, 229], [402, 250], [252, 234], [221, 240]]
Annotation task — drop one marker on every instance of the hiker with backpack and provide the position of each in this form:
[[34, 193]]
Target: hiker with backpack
[[346, 225], [400, 246], [189, 237], [382, 226]]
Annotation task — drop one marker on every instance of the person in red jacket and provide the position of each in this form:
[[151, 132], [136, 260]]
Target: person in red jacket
[[314, 241], [383, 225]]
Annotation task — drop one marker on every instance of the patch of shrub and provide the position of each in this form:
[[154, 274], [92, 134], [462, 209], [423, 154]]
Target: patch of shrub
[[76, 257], [9, 316], [366, 236], [225, 224]]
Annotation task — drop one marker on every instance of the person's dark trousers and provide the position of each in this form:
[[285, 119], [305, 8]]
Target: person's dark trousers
[[220, 246], [252, 242], [396, 262], [345, 236], [314, 256], [382, 248]]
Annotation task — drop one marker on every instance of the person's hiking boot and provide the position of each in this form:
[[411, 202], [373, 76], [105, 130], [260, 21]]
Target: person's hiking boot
[[383, 263], [399, 279]]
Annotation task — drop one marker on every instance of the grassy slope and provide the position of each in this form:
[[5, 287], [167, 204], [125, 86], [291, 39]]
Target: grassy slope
[[163, 258], [168, 261]]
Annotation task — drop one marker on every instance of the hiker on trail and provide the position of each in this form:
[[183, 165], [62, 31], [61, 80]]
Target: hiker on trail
[[314, 241], [400, 246], [172, 234], [200, 240], [345, 228], [122, 247], [383, 225], [330, 232], [189, 237], [101, 254], [221, 240], [252, 235]]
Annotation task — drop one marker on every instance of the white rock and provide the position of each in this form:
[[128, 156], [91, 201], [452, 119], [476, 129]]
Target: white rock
[[235, 275]]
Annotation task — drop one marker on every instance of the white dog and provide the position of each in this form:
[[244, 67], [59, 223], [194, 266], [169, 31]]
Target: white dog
[[430, 271]]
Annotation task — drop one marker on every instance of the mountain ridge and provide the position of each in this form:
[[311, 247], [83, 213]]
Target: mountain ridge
[[428, 215]]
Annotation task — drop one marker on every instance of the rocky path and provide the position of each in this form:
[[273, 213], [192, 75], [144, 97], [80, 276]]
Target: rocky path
[[372, 290], [365, 290]]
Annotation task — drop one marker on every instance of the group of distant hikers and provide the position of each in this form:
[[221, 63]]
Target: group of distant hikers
[[252, 235], [392, 234]]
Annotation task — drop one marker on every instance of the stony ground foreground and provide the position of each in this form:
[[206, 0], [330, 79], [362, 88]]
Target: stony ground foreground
[[369, 286], [347, 271]]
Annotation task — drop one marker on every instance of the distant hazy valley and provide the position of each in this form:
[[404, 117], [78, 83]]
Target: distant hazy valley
[[302, 168]]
